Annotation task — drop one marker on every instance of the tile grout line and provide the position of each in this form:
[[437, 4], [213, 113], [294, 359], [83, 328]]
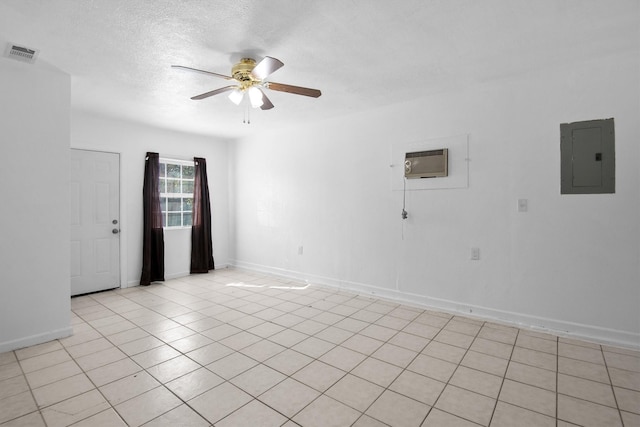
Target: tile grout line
[[163, 384], [130, 357], [504, 377], [532, 385], [40, 409], [557, 373], [240, 373], [386, 388], [615, 398], [30, 392], [339, 345], [557, 376], [323, 393], [610, 384], [92, 382], [290, 376], [336, 345], [454, 371]]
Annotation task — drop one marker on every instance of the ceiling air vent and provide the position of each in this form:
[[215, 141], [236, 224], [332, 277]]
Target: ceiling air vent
[[21, 53]]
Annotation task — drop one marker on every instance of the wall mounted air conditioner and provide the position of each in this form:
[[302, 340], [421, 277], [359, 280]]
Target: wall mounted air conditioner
[[426, 164]]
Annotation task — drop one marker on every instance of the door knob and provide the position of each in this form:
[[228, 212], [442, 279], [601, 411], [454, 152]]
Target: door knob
[[115, 231]]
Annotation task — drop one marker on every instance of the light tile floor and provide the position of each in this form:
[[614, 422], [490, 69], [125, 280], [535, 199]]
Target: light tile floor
[[234, 348]]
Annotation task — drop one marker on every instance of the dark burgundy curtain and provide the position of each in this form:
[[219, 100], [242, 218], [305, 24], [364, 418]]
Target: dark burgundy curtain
[[201, 244], [152, 235]]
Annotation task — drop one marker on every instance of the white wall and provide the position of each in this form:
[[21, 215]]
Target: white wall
[[569, 264], [132, 141], [34, 219]]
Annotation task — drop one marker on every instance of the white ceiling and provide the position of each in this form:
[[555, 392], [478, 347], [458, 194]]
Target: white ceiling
[[362, 54]]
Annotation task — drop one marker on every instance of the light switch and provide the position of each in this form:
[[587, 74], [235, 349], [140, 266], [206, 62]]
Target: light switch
[[523, 205]]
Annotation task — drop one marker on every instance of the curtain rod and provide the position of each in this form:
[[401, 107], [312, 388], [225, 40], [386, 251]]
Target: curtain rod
[[179, 158]]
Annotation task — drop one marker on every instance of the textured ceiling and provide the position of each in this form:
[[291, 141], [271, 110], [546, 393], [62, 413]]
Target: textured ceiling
[[362, 54]]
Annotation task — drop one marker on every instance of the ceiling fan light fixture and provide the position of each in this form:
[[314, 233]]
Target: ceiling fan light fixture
[[236, 96], [255, 96]]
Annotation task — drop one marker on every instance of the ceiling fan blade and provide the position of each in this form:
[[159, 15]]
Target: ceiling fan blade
[[213, 92], [265, 67], [182, 67], [266, 103], [314, 93]]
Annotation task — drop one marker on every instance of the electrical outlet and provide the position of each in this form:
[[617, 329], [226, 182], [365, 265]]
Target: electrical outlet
[[475, 254]]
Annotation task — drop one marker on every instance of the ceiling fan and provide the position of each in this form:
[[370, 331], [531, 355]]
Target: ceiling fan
[[250, 78]]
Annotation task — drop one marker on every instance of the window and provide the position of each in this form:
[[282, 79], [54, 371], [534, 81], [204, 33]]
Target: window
[[176, 192]]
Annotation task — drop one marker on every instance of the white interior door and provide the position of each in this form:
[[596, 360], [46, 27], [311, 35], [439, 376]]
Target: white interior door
[[95, 221]]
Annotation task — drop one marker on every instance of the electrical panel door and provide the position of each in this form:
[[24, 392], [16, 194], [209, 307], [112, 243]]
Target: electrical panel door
[[587, 157]]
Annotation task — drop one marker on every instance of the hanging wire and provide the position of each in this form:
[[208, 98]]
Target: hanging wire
[[401, 253], [404, 201], [404, 198]]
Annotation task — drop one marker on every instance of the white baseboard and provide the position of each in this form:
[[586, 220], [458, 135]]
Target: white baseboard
[[524, 321], [133, 283], [176, 275], [35, 339]]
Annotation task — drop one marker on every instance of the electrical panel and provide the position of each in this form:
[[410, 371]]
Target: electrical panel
[[587, 151]]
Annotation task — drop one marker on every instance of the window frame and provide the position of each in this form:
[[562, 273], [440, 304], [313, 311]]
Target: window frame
[[165, 196]]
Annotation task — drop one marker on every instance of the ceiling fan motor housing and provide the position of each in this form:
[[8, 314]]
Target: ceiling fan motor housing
[[242, 72]]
